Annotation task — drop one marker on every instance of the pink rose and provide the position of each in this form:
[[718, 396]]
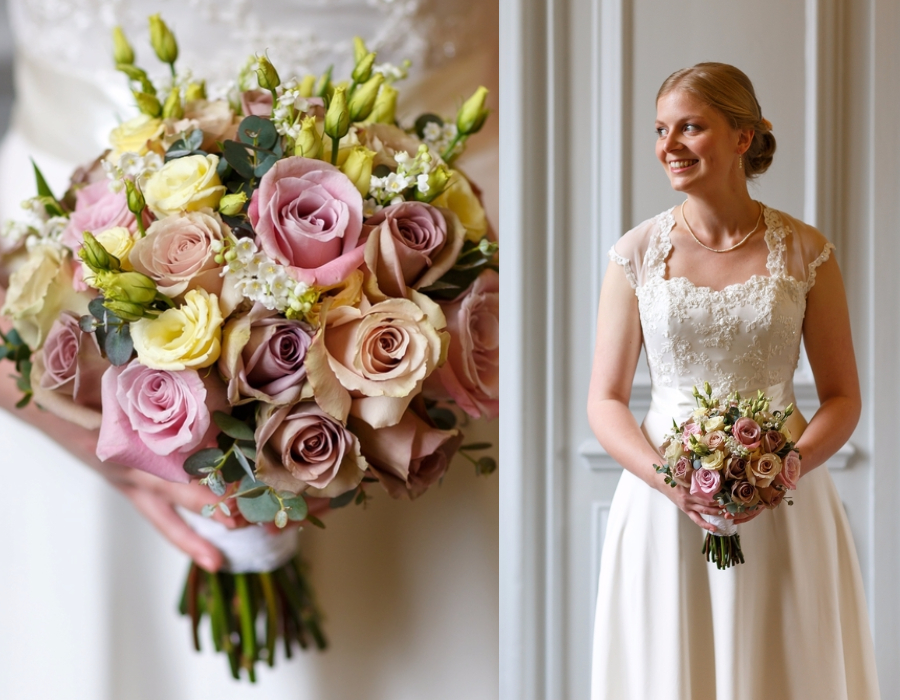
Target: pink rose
[[302, 448], [790, 470], [176, 252], [765, 469], [770, 496], [412, 245], [213, 117], [471, 375], [736, 468], [407, 457], [153, 419], [97, 209], [773, 441], [264, 357], [683, 472], [689, 429], [308, 216], [747, 432], [706, 482], [745, 494], [257, 103], [715, 440]]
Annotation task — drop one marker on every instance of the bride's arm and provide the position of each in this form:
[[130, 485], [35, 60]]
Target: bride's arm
[[829, 347], [616, 354]]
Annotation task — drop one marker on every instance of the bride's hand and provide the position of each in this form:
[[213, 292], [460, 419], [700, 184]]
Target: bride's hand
[[692, 504]]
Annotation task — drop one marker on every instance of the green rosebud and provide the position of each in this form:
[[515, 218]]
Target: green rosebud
[[385, 109], [147, 103], [357, 166], [195, 91], [134, 198], [309, 141], [438, 179], [337, 118], [363, 101], [472, 114], [126, 310], [162, 40], [172, 108], [137, 75], [132, 287], [122, 51], [267, 75], [232, 204], [363, 70], [307, 85], [359, 49], [323, 86], [96, 257]]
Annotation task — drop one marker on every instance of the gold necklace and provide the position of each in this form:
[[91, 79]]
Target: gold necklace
[[724, 250]]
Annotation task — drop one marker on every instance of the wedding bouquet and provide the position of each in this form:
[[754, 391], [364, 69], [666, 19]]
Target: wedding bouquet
[[736, 452], [281, 293]]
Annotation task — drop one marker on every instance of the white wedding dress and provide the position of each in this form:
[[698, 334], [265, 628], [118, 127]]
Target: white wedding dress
[[791, 622], [88, 589]]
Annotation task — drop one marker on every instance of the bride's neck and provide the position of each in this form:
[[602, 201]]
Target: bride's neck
[[723, 216]]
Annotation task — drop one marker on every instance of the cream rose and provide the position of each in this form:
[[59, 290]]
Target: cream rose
[[765, 469], [184, 184], [189, 336], [715, 440], [673, 452], [176, 252], [38, 291], [376, 357], [462, 201], [137, 135], [714, 423], [713, 461]]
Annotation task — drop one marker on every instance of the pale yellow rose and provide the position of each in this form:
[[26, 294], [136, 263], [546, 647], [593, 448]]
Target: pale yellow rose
[[713, 461], [189, 336], [184, 184], [674, 452], [462, 201], [38, 291], [715, 423], [116, 241], [137, 135], [700, 413]]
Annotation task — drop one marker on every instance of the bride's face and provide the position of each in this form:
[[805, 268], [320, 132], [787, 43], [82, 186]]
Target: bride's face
[[696, 144]]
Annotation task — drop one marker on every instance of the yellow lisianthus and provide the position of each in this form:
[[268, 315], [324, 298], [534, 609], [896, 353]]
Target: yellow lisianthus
[[189, 336]]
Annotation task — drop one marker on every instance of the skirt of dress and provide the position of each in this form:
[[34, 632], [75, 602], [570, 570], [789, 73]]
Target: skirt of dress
[[789, 624]]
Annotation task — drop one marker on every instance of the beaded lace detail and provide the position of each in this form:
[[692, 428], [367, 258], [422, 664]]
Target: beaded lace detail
[[625, 263], [743, 337]]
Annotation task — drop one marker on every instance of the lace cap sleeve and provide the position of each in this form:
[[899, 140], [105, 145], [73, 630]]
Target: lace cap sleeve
[[631, 249], [805, 251]]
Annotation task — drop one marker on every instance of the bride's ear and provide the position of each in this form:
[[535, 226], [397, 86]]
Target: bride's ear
[[745, 138]]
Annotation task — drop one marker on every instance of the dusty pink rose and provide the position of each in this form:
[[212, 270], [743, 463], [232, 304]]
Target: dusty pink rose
[[765, 469], [744, 493], [690, 429], [153, 419], [72, 361], [736, 468], [176, 252], [706, 482], [387, 141], [213, 117], [97, 209], [773, 441], [683, 472], [308, 216], [408, 457], [471, 375], [302, 448], [770, 496], [715, 440], [264, 357], [411, 245], [790, 470], [747, 432]]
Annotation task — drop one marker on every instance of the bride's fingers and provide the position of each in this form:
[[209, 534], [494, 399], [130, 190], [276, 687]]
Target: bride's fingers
[[191, 496], [693, 515], [164, 518]]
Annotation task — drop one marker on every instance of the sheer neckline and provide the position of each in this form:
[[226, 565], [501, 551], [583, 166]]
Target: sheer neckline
[[773, 235]]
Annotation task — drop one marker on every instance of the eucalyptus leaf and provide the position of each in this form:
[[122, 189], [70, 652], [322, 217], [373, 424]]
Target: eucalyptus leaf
[[258, 131], [265, 165], [424, 120], [477, 446], [98, 311], [244, 463], [86, 323], [239, 158], [313, 520], [344, 499], [118, 345], [232, 426], [224, 508], [208, 510], [216, 483], [254, 492], [248, 450], [260, 509], [232, 470], [443, 418], [204, 459], [195, 139], [297, 508]]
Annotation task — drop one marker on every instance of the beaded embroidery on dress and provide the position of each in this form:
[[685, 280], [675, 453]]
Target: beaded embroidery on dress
[[793, 617]]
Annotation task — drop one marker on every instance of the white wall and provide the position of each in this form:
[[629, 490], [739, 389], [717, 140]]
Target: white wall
[[578, 169]]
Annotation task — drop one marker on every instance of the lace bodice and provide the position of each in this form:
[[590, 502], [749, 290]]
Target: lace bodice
[[741, 338]]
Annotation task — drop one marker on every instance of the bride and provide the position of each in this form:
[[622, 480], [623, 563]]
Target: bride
[[89, 589], [721, 289]]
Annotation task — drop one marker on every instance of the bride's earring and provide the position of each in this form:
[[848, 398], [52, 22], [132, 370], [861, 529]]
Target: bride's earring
[[740, 162]]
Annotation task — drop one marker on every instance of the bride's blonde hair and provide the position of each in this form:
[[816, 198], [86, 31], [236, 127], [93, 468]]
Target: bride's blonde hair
[[730, 91]]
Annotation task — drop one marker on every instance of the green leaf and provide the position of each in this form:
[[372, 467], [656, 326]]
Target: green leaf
[[239, 158], [259, 509], [208, 510], [216, 483], [381, 170], [258, 131], [98, 311], [344, 499], [244, 463], [225, 509], [265, 165], [232, 427], [231, 469], [487, 465], [118, 345], [195, 139], [443, 418], [86, 323], [203, 459], [424, 120], [313, 520], [43, 189], [254, 492], [477, 446], [248, 450]]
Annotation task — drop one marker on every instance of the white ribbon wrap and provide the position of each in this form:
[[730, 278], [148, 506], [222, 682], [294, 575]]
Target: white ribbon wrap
[[251, 549], [724, 527]]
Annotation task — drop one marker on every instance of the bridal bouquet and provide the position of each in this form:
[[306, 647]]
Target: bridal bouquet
[[738, 453], [282, 294]]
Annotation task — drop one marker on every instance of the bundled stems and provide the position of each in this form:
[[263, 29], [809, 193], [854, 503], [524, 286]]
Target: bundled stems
[[280, 602], [723, 551]]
